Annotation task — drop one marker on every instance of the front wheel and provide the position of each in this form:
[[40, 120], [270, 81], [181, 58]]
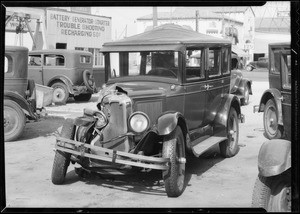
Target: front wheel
[[62, 159], [174, 148], [273, 193], [272, 129], [14, 120], [230, 147], [60, 93]]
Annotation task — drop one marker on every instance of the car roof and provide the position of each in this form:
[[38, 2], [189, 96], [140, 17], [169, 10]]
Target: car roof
[[60, 51], [163, 37], [15, 48]]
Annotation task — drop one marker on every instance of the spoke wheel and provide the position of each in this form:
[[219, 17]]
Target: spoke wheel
[[230, 147], [272, 129], [174, 177], [14, 120]]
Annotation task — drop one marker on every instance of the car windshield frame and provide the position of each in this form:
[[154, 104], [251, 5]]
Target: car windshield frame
[[158, 65]]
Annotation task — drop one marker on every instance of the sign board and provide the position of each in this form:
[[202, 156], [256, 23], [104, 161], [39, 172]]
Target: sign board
[[249, 46], [82, 29], [12, 24]]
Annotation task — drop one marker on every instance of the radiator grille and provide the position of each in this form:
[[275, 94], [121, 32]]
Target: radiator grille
[[153, 109]]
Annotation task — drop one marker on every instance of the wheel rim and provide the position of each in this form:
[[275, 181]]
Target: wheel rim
[[59, 94], [248, 68], [271, 121], [232, 132], [181, 166], [11, 120]]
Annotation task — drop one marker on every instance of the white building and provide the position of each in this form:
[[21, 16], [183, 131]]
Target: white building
[[58, 28]]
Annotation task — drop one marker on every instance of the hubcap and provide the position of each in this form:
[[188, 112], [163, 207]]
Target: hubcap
[[271, 121], [232, 132], [59, 94], [10, 120]]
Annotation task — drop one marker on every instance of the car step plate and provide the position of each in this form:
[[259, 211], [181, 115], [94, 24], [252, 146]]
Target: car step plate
[[202, 146]]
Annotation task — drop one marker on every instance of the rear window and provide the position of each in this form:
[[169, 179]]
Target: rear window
[[54, 60], [8, 65], [85, 59]]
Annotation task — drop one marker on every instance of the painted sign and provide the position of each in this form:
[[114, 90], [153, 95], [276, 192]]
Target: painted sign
[[14, 23], [77, 25]]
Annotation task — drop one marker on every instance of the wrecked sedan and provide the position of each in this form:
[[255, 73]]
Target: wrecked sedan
[[158, 106]]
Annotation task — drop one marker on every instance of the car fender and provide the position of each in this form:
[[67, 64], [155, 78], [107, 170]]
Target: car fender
[[221, 113], [242, 85], [168, 121], [269, 94], [65, 80], [274, 157], [27, 109]]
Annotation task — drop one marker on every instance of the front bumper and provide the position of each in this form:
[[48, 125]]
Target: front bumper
[[111, 156]]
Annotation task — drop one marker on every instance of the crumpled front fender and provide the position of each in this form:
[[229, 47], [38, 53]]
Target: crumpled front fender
[[274, 157]]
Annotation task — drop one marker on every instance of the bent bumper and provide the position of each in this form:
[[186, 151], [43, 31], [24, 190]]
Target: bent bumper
[[112, 156]]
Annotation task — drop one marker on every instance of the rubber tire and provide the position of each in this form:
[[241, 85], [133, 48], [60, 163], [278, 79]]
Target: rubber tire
[[62, 159], [245, 100], [86, 78], [19, 117], [230, 148], [277, 129], [83, 97], [268, 192], [249, 68], [172, 145], [63, 90]]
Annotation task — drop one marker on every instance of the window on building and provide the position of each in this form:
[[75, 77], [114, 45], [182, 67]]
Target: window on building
[[85, 59], [54, 60]]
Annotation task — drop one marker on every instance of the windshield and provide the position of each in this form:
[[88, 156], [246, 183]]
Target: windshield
[[156, 63]]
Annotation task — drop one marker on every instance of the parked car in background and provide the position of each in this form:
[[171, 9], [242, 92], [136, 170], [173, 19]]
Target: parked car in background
[[262, 62], [240, 86], [20, 100], [158, 106], [68, 72], [272, 189]]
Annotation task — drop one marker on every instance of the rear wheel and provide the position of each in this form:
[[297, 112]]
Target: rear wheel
[[83, 97], [272, 129], [14, 120], [273, 193], [60, 93], [174, 177], [230, 147], [62, 159]]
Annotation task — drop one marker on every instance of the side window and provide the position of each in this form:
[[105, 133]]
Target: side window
[[275, 61], [54, 60], [114, 65], [286, 71], [85, 59], [225, 61], [34, 60], [194, 65], [214, 62]]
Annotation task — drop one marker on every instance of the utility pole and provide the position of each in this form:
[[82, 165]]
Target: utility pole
[[154, 17], [197, 17]]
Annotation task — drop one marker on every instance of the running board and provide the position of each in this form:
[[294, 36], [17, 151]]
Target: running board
[[201, 146]]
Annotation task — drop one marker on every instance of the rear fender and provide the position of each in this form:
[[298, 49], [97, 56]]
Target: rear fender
[[27, 109], [63, 79], [243, 83], [274, 157], [269, 94], [220, 121]]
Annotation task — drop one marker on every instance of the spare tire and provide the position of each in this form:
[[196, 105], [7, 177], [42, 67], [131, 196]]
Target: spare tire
[[88, 80]]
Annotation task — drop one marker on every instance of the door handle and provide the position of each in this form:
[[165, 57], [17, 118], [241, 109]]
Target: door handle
[[207, 86]]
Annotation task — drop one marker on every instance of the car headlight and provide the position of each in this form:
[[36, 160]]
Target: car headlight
[[101, 119], [138, 122]]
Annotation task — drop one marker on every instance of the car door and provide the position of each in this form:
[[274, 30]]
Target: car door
[[214, 83], [35, 68], [194, 107], [286, 90]]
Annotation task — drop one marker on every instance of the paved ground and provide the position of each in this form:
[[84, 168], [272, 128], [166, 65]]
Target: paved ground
[[212, 180]]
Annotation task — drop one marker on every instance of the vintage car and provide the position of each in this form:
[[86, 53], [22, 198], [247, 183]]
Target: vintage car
[[19, 93], [262, 62], [240, 86], [159, 105], [68, 72], [272, 189]]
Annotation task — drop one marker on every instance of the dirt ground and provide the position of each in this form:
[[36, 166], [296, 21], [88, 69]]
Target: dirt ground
[[212, 181]]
